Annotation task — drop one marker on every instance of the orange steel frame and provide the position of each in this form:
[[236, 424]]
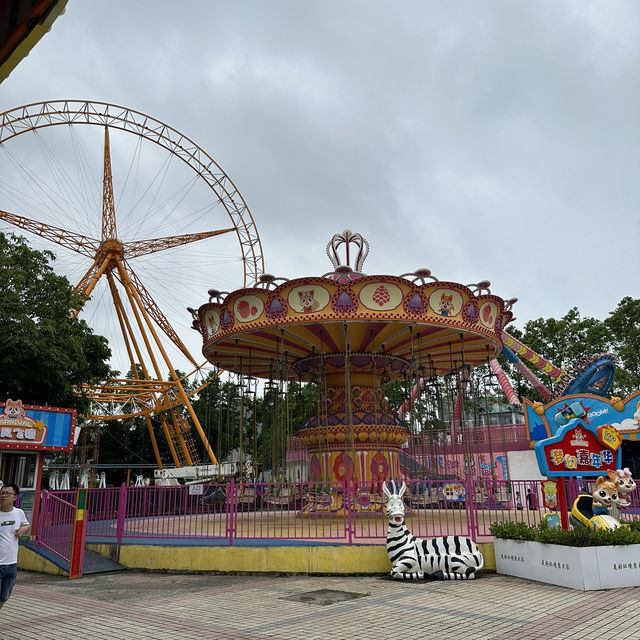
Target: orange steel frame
[[152, 397]]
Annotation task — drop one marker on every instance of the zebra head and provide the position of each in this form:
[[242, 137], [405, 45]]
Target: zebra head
[[395, 506]]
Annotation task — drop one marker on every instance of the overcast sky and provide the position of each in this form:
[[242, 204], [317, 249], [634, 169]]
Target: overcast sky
[[482, 140]]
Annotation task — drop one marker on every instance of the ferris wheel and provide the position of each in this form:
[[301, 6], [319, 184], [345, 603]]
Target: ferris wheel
[[144, 221]]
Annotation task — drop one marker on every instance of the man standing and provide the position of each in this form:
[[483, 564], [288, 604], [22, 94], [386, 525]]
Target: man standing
[[13, 525], [531, 500]]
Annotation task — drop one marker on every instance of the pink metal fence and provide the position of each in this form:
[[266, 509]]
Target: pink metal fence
[[325, 511], [55, 523]]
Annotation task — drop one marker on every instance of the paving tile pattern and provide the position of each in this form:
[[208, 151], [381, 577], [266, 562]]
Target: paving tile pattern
[[150, 606]]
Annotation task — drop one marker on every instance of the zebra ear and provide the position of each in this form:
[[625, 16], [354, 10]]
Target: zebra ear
[[385, 490], [403, 488]]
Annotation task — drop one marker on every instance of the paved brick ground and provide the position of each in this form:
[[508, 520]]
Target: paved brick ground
[[144, 606]]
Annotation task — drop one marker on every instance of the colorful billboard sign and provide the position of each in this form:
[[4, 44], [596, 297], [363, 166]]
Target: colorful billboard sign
[[36, 428], [623, 416], [575, 450]]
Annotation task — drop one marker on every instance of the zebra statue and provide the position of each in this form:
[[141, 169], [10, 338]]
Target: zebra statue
[[444, 558]]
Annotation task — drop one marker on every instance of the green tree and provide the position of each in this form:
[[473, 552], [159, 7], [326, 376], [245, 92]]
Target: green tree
[[44, 352], [562, 341], [624, 329]]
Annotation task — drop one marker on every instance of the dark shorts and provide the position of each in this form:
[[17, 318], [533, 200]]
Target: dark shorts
[[8, 574]]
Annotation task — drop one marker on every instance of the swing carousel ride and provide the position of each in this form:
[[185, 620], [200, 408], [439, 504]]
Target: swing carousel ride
[[170, 194], [349, 334]]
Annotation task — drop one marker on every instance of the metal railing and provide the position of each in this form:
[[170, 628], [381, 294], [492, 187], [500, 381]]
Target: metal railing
[[55, 523], [339, 512]]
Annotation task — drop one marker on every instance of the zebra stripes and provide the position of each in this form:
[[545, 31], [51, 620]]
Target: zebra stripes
[[445, 558]]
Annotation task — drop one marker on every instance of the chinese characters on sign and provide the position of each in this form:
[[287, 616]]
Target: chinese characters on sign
[[36, 428], [556, 565], [17, 433], [626, 565], [578, 450], [582, 458], [508, 556]]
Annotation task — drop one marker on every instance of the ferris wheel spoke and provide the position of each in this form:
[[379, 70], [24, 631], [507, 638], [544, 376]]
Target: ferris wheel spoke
[[108, 207], [144, 247], [74, 241]]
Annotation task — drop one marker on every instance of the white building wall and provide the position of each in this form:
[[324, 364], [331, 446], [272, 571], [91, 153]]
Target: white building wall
[[523, 465]]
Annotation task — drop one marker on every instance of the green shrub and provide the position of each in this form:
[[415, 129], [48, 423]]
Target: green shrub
[[513, 530], [578, 537], [634, 525]]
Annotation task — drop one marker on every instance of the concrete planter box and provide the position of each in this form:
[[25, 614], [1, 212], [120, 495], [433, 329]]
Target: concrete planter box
[[584, 568]]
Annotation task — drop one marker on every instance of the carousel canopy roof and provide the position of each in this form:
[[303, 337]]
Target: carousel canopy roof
[[382, 324]]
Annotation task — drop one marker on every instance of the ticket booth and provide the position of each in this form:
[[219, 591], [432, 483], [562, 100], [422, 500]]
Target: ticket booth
[[27, 432]]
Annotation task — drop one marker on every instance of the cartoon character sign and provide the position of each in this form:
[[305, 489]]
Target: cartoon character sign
[[18, 427], [575, 450], [309, 298], [620, 415], [308, 303], [212, 321], [453, 492], [13, 409], [446, 302]]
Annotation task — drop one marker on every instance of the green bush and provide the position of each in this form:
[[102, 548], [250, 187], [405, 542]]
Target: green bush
[[513, 530], [578, 537], [634, 525]]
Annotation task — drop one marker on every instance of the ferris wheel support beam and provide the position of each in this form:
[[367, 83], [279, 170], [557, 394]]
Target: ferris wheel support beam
[[178, 430], [167, 436], [127, 333], [133, 292], [157, 404], [90, 278], [151, 309], [137, 308], [126, 330], [130, 334]]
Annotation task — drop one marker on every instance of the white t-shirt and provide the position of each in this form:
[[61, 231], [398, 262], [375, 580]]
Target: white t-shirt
[[9, 522]]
